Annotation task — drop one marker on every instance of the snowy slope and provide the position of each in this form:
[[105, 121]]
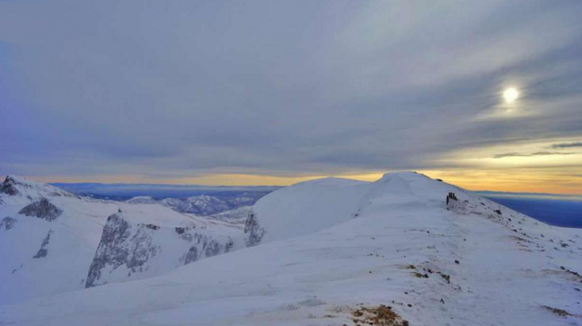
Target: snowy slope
[[49, 237], [471, 262], [308, 207]]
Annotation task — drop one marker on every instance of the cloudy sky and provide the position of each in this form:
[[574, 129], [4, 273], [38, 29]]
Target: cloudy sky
[[274, 92]]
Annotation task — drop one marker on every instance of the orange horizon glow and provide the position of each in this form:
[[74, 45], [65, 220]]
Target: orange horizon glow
[[523, 181]]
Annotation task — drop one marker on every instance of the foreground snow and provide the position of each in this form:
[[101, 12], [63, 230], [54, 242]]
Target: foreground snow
[[395, 243]]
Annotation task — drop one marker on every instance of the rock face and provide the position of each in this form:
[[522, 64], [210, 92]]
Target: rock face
[[42, 209], [130, 251], [43, 251], [253, 230], [7, 223], [9, 187], [111, 250]]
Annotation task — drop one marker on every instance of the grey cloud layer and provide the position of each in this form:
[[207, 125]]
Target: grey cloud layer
[[183, 87], [529, 155], [567, 145]]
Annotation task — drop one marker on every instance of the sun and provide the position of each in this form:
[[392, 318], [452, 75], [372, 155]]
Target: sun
[[510, 95]]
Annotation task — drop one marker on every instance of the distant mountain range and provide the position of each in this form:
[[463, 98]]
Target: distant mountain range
[[204, 205], [118, 191]]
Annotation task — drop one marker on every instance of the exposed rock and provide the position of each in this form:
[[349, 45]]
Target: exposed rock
[[7, 223], [454, 204], [43, 251], [9, 187], [191, 256], [380, 315], [229, 245], [151, 226], [253, 229], [212, 248], [451, 197], [42, 209], [143, 248], [133, 251], [111, 250], [184, 233]]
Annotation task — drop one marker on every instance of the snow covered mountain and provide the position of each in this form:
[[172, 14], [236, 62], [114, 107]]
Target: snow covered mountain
[[204, 205], [404, 250], [51, 241], [199, 205]]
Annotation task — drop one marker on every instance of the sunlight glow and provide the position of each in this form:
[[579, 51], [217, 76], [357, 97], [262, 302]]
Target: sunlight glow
[[510, 95]]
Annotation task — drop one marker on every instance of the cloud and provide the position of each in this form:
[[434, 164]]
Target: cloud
[[567, 145], [530, 155], [182, 88]]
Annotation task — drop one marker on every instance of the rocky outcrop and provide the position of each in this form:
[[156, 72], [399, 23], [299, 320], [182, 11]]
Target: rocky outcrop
[[191, 256], [42, 209], [112, 250], [43, 251], [9, 187], [253, 230], [456, 205], [7, 223], [130, 251], [204, 247]]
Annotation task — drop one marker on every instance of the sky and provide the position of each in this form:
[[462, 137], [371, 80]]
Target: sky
[[276, 92]]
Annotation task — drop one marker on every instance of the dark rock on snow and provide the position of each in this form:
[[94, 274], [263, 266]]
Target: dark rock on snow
[[7, 223], [43, 251], [42, 209], [253, 229], [9, 187]]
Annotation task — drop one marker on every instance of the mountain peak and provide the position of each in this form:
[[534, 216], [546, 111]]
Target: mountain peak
[[407, 175], [9, 186], [17, 186]]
